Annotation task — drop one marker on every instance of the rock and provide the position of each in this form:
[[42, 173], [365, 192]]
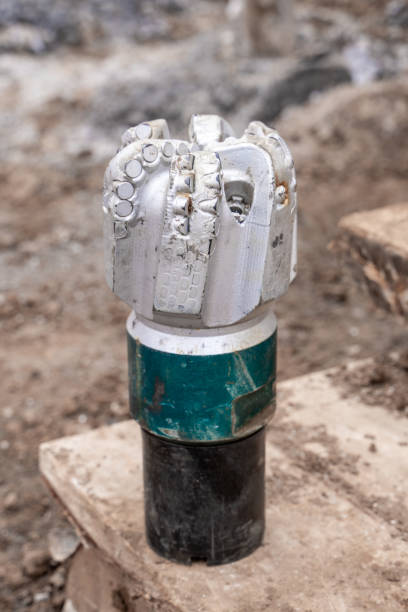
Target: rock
[[297, 88], [23, 37], [397, 13], [36, 561], [62, 542], [172, 6], [41, 596], [374, 244], [69, 606], [118, 410], [57, 579], [363, 66], [38, 26], [11, 501]]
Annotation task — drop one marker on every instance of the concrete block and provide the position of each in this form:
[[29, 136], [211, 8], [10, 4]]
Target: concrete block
[[376, 245], [337, 520]]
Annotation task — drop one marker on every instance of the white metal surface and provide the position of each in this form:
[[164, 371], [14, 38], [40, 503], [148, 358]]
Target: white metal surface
[[214, 341], [199, 234]]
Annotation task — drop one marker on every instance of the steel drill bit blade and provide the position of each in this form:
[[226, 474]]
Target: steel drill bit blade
[[200, 233]]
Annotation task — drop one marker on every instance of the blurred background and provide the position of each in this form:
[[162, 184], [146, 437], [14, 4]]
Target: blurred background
[[330, 75]]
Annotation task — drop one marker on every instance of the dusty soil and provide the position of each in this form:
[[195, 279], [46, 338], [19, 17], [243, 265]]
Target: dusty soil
[[382, 381], [62, 355]]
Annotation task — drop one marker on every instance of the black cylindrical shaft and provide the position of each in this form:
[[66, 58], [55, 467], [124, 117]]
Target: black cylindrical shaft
[[204, 502]]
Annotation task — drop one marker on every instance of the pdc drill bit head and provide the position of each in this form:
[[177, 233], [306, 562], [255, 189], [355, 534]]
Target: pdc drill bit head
[[200, 233]]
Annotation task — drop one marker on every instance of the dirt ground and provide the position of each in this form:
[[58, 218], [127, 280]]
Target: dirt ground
[[62, 354]]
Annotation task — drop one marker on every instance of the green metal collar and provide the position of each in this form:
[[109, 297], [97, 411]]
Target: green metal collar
[[203, 398]]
